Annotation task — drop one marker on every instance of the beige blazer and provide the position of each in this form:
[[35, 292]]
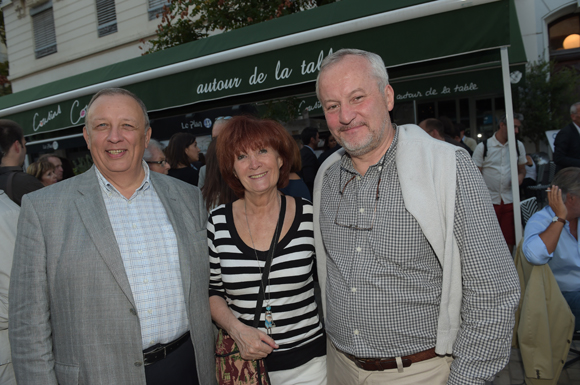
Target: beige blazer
[[72, 314], [544, 323]]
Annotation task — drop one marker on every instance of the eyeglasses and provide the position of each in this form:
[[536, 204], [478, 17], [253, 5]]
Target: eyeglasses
[[160, 162], [357, 227], [222, 118]]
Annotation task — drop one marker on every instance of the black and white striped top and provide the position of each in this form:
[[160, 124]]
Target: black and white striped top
[[235, 276]]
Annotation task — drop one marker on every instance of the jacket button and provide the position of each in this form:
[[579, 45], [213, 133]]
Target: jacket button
[[133, 311], [138, 363]]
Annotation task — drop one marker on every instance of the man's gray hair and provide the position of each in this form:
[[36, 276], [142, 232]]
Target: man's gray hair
[[574, 108], [147, 155], [517, 116], [378, 70], [114, 92], [568, 179]]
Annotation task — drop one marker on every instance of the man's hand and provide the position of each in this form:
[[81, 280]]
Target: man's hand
[[551, 235], [521, 173]]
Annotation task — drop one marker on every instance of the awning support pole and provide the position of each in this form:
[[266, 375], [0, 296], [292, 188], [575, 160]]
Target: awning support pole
[[507, 91]]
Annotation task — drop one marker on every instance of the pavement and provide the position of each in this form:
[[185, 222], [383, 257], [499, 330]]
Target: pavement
[[513, 373]]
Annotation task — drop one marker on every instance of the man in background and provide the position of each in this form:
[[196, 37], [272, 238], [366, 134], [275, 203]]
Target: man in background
[[13, 180], [492, 157], [567, 142], [434, 128], [155, 157], [309, 137], [470, 142]]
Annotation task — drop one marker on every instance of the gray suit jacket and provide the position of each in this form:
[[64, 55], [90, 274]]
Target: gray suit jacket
[[72, 315], [8, 220]]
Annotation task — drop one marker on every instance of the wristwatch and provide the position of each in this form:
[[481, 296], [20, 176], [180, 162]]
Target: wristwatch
[[558, 219]]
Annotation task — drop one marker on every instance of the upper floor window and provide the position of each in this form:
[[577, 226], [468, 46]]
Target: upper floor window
[[43, 27], [156, 8], [106, 17], [564, 33]]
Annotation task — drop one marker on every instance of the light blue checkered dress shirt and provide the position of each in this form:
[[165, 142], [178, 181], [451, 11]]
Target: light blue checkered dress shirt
[[148, 246]]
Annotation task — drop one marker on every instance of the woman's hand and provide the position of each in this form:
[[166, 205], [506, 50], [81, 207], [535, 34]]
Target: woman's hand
[[556, 203], [253, 343]]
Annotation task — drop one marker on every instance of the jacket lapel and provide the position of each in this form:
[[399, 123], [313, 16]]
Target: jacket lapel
[[176, 212], [93, 213]]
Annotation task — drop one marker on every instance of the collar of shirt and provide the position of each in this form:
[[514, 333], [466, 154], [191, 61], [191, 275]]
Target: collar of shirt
[[575, 125], [107, 187], [310, 148], [495, 142], [389, 157]]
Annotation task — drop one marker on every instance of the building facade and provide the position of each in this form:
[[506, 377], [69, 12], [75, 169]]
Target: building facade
[[50, 40]]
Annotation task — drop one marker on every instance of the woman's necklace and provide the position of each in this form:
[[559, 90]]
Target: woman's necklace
[[268, 318]]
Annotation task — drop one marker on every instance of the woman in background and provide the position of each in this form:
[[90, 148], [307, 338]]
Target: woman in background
[[296, 186], [330, 147], [215, 190], [181, 152], [44, 171]]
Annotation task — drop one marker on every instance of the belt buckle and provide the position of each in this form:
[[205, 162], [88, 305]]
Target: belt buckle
[[154, 353], [360, 362], [406, 362], [387, 363]]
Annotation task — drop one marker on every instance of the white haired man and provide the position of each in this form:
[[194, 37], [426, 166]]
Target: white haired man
[[407, 244]]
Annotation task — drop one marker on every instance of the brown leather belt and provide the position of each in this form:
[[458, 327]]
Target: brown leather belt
[[373, 364], [160, 351]]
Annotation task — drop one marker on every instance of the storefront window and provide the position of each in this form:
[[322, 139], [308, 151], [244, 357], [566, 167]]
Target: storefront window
[[484, 118], [403, 113], [447, 108], [564, 33], [425, 111], [464, 114], [488, 112]]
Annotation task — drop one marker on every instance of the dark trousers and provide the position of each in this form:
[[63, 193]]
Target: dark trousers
[[178, 368]]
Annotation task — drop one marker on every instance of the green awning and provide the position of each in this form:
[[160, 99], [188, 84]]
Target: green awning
[[285, 52]]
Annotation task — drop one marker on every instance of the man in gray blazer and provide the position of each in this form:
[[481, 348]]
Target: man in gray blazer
[[110, 276]]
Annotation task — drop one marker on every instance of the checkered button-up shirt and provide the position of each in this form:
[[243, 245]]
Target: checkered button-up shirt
[[383, 286], [148, 246]]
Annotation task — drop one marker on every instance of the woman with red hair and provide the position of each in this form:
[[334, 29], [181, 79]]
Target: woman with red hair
[[265, 234]]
